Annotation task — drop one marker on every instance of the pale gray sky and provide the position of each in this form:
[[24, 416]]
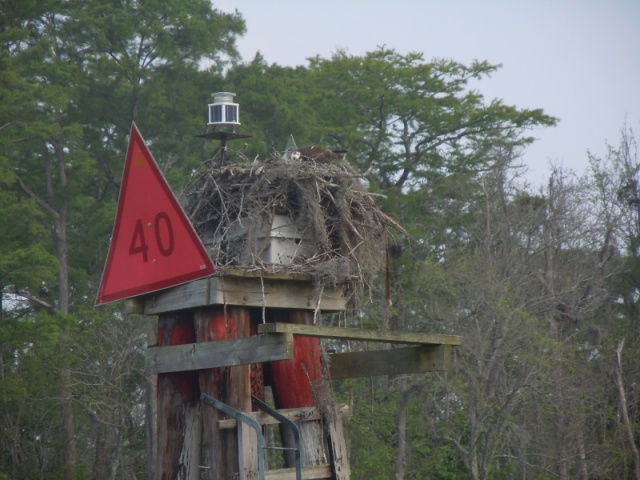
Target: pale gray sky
[[579, 60]]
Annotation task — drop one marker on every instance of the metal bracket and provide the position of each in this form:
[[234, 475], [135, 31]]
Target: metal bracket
[[241, 417], [288, 423]]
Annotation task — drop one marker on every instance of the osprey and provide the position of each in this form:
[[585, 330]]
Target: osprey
[[312, 153], [320, 154]]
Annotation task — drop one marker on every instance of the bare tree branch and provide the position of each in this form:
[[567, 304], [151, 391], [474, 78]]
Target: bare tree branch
[[44, 205], [624, 411], [29, 296]]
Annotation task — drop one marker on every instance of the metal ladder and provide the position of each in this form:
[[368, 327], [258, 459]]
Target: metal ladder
[[246, 419]]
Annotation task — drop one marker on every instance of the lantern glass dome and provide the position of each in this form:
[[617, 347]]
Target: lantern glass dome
[[223, 111]]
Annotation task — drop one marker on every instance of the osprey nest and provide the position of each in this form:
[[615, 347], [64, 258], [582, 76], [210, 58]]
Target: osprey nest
[[292, 215]]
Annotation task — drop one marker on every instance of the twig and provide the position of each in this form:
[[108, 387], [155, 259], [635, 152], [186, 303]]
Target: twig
[[317, 309], [624, 411], [264, 302]]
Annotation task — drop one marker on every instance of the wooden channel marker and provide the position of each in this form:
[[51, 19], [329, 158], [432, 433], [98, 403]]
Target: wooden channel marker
[[211, 339]]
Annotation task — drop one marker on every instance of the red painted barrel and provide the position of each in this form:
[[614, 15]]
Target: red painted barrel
[[295, 382]]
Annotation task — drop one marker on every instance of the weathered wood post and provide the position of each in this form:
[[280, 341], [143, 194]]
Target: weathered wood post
[[298, 383], [178, 421], [231, 385]]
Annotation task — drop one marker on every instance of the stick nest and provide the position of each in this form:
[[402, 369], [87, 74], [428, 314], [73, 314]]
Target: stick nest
[[341, 235]]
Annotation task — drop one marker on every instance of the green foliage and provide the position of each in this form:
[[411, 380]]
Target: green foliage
[[416, 119], [73, 75], [275, 102], [436, 462], [25, 261], [541, 285], [372, 435]]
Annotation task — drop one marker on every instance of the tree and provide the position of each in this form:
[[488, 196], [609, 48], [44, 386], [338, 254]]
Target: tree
[[434, 144], [276, 102], [523, 292], [428, 144], [418, 120], [77, 74], [616, 179]]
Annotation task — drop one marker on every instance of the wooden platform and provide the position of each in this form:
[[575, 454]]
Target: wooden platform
[[316, 472], [242, 288], [361, 334], [429, 353]]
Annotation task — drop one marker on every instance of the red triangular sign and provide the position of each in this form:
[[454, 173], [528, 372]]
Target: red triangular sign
[[153, 246]]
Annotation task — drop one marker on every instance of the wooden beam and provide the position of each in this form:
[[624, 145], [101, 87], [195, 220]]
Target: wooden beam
[[223, 353], [295, 276], [189, 295], [316, 472], [303, 414], [395, 361], [248, 452], [337, 444], [134, 305], [273, 293], [261, 291], [363, 335]]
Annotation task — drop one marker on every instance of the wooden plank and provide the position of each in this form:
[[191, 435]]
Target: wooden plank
[[205, 322], [447, 355], [363, 335], [316, 472], [395, 361], [188, 295], [270, 293], [238, 393], [248, 452], [294, 276], [223, 353], [134, 305], [247, 291], [303, 414], [190, 454], [337, 444]]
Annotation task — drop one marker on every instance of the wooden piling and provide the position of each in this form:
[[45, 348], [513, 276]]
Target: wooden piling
[[299, 383], [231, 385], [220, 350], [178, 425]]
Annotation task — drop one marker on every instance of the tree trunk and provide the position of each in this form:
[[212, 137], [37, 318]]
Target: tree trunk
[[624, 412], [68, 426], [100, 465], [151, 414], [58, 208], [561, 445], [582, 455], [472, 455], [60, 238], [403, 409]]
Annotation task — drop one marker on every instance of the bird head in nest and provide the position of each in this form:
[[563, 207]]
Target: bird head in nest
[[312, 153], [319, 154]]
